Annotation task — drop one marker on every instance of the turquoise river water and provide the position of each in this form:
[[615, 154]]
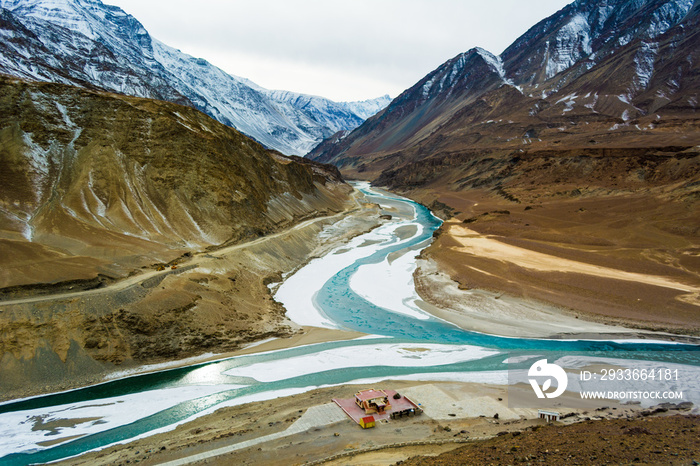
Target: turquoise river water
[[340, 304]]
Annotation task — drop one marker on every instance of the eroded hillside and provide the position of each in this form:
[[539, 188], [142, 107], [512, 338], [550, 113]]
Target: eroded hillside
[[99, 183], [96, 188]]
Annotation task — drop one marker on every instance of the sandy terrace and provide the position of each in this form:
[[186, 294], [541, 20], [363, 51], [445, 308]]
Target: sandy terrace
[[620, 260], [476, 244]]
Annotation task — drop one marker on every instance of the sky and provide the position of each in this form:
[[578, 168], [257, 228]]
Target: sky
[[342, 50]]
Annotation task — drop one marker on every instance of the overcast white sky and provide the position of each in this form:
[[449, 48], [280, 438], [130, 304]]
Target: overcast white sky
[[343, 50]]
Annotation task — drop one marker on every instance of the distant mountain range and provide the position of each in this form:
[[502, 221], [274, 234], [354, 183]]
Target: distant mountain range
[[90, 44], [597, 75]]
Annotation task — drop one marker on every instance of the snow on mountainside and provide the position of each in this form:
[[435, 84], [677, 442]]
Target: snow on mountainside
[[90, 44], [592, 72], [584, 34], [237, 104], [333, 115], [366, 108], [419, 110]]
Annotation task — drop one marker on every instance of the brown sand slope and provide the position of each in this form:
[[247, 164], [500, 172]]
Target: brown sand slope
[[95, 183], [212, 302], [629, 258]]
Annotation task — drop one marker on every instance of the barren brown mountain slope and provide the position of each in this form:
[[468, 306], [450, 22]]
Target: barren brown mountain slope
[[100, 183], [95, 187], [628, 210], [597, 74]]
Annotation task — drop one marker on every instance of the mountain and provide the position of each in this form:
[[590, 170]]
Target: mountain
[[137, 231], [90, 44], [597, 74], [576, 150], [96, 183]]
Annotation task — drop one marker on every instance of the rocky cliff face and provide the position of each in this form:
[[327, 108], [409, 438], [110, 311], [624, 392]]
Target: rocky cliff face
[[90, 44]]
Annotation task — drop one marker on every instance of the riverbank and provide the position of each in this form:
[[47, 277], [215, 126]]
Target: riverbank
[[454, 413], [497, 313], [205, 306]]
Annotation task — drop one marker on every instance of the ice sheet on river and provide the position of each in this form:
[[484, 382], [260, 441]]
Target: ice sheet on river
[[298, 292], [396, 291], [26, 430], [394, 355]]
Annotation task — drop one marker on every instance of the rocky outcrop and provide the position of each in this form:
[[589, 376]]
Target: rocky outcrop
[[521, 177]]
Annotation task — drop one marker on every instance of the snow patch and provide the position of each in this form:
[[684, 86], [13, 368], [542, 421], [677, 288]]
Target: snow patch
[[625, 98], [572, 42], [427, 86], [644, 64], [666, 16], [591, 105], [569, 102], [497, 64]]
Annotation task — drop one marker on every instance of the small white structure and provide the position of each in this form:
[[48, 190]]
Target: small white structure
[[548, 416]]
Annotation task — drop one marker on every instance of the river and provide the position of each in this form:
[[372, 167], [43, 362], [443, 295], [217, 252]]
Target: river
[[366, 286]]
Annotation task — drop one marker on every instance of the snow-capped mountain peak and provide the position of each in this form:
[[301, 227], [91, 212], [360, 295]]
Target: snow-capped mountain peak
[[366, 108], [607, 61], [586, 32], [88, 43], [90, 18]]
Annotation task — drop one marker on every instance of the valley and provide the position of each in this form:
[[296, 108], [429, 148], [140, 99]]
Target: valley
[[194, 267], [122, 244], [461, 377]]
